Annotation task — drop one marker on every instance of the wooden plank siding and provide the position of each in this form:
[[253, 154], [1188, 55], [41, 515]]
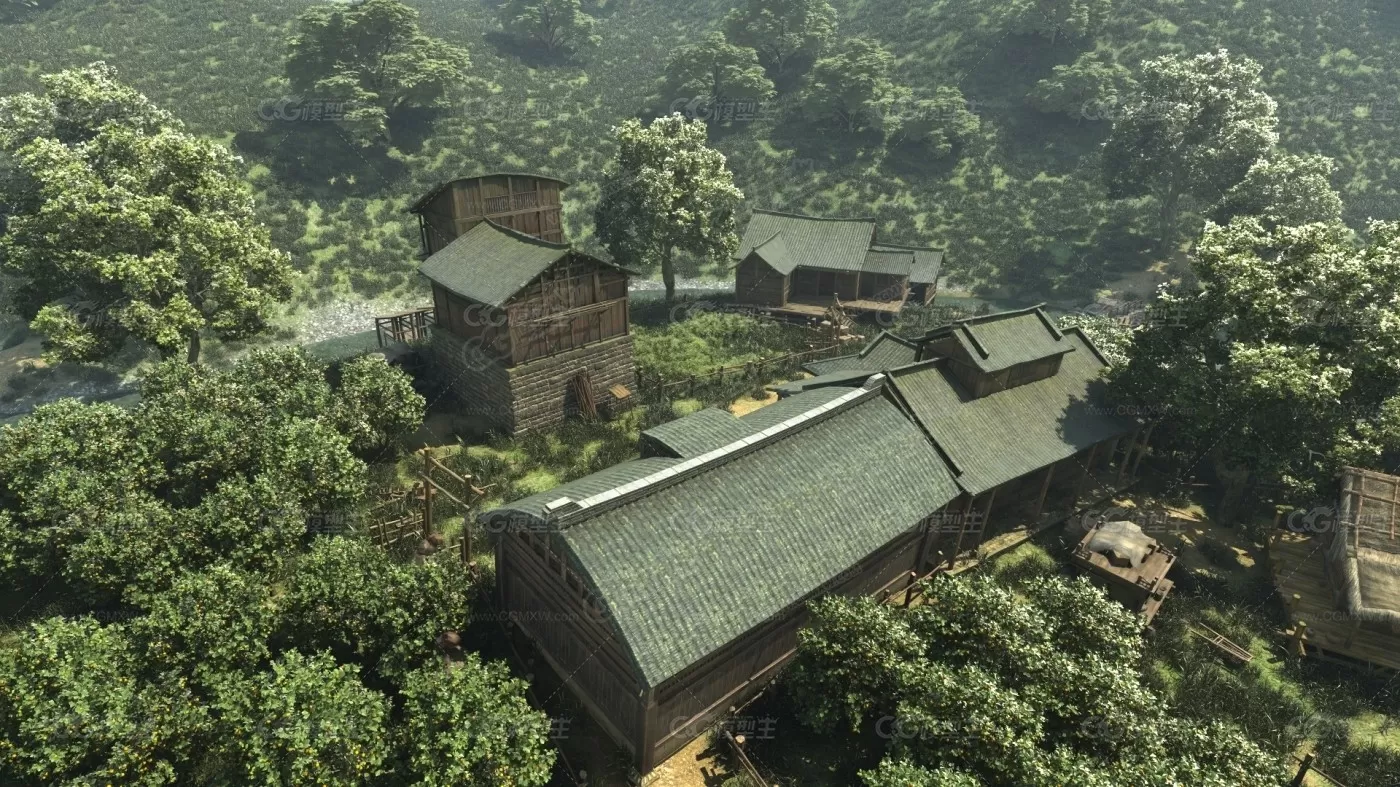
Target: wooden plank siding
[[758, 283], [526, 204], [546, 601]]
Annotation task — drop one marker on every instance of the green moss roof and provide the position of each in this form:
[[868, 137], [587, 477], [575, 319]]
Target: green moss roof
[[1007, 434], [885, 351], [693, 435], [999, 341], [687, 564], [809, 241]]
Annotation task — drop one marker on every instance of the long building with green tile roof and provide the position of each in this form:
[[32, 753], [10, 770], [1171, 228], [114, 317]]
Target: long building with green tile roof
[[669, 588]]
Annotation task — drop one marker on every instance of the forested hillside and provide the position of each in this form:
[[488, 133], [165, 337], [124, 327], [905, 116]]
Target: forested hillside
[[1020, 201]]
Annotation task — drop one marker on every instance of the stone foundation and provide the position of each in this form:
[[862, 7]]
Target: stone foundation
[[534, 395]]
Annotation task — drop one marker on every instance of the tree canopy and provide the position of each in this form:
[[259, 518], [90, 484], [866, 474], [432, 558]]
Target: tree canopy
[[983, 685], [1090, 88], [1055, 18], [779, 30], [554, 24], [667, 190], [717, 70], [854, 85], [210, 466], [935, 123], [1284, 190], [1282, 359], [121, 224], [1192, 128], [372, 56]]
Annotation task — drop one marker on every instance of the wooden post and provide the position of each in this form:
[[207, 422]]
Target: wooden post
[[1300, 632], [466, 539], [986, 518], [1044, 490], [1142, 448], [1112, 449], [427, 494], [1127, 456], [1303, 771], [962, 528], [1088, 474]]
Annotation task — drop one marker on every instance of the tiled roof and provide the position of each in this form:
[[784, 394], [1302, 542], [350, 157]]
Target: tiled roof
[[999, 341], [1002, 436], [695, 434], [885, 351], [812, 242], [490, 263], [775, 252], [687, 563]]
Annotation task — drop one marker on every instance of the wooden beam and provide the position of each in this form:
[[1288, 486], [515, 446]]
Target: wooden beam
[[1044, 490], [1142, 448], [986, 518], [962, 527], [1088, 476], [1127, 456]]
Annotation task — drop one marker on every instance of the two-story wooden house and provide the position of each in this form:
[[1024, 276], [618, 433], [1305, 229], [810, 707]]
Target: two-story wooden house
[[527, 330]]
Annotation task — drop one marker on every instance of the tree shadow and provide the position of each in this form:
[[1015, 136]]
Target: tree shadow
[[822, 143], [410, 127], [917, 159], [528, 52], [320, 158]]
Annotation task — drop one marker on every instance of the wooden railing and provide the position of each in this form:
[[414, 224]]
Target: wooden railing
[[405, 327]]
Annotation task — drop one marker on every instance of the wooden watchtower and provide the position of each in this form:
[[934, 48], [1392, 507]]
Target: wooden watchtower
[[529, 204]]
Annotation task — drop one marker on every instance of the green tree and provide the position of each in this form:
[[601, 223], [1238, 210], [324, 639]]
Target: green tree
[[372, 56], [375, 404], [781, 29], [716, 70], [471, 726], [1193, 128], [211, 624], [1280, 359], [210, 466], [354, 598], [73, 712], [307, 720], [121, 224], [853, 85], [554, 24], [1053, 18], [935, 124], [1284, 190], [1111, 336], [667, 190], [1090, 88], [987, 685]]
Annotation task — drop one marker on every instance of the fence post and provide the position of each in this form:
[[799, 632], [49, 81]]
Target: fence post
[[1303, 771]]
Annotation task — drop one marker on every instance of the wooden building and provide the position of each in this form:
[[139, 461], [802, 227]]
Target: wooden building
[[667, 589], [529, 204], [794, 263], [1340, 576], [527, 332]]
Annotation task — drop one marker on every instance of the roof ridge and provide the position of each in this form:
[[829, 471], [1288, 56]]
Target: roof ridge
[[883, 334], [770, 212], [771, 238], [518, 235], [566, 512], [906, 247]]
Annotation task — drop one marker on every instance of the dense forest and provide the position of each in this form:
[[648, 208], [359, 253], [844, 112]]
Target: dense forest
[[1018, 196]]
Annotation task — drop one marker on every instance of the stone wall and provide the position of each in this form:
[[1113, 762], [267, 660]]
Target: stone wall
[[531, 396], [541, 388]]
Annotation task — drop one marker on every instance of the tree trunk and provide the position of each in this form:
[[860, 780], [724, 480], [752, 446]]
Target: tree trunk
[[668, 273], [192, 352], [1166, 228]]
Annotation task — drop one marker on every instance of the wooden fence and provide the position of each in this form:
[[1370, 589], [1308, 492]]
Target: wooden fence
[[1306, 767], [756, 372], [404, 327], [414, 513]]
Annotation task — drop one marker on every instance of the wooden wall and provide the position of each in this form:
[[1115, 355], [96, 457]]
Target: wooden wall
[[689, 702], [884, 287], [575, 303], [527, 204], [545, 598], [756, 282]]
